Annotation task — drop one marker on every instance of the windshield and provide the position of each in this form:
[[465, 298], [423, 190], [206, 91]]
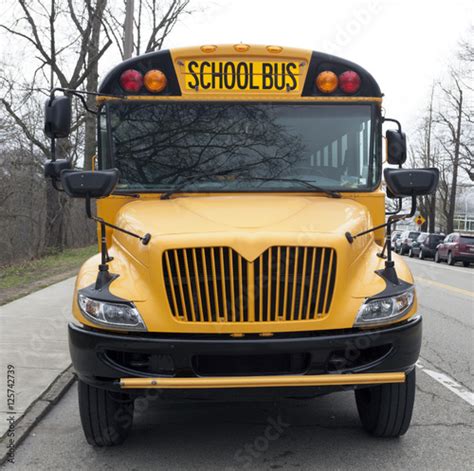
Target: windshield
[[241, 146]]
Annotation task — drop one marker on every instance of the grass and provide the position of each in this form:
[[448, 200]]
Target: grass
[[26, 277]]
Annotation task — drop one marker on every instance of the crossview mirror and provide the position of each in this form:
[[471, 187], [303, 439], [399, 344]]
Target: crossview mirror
[[89, 184], [403, 183], [57, 121], [396, 147]]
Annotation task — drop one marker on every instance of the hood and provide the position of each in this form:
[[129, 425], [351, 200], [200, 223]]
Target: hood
[[255, 222]]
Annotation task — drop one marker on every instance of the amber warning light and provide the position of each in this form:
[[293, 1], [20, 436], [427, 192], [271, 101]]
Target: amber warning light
[[132, 81]]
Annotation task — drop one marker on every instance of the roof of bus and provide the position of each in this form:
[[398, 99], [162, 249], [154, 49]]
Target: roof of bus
[[234, 60]]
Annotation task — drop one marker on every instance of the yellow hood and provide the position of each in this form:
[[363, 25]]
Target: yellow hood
[[248, 223]]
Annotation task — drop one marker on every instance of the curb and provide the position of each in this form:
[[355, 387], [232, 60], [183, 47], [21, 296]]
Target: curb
[[35, 412]]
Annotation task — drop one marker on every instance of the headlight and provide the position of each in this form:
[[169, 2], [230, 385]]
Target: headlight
[[119, 316], [385, 310]]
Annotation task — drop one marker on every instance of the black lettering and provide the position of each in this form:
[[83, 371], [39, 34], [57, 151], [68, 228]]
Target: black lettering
[[291, 75], [220, 75], [242, 75], [229, 76], [191, 66], [267, 77], [202, 73], [279, 76], [252, 85]]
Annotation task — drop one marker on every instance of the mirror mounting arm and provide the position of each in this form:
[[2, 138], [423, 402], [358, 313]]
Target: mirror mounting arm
[[104, 276], [144, 239], [389, 271], [391, 120]]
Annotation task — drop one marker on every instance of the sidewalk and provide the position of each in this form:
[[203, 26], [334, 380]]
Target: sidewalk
[[33, 338]]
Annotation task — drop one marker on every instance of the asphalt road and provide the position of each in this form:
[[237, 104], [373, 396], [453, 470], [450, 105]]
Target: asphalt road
[[313, 434]]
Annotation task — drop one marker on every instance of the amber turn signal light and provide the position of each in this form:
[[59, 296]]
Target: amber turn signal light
[[155, 81], [326, 81]]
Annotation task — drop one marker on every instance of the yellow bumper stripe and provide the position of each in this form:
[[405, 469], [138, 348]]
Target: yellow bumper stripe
[[262, 381]]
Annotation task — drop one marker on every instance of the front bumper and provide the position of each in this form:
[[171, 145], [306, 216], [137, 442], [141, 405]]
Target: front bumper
[[103, 359]]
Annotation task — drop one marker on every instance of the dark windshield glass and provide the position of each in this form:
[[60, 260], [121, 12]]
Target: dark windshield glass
[[229, 146]]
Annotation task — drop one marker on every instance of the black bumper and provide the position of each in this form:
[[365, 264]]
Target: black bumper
[[101, 358]]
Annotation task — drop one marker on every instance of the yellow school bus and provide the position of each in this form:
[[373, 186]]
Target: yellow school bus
[[243, 231]]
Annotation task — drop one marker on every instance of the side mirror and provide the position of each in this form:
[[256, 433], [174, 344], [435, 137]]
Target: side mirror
[[53, 168], [402, 183], [57, 120], [396, 147], [89, 184]]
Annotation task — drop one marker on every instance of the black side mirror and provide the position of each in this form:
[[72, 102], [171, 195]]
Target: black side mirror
[[53, 168], [57, 121], [402, 183], [396, 147], [89, 184]]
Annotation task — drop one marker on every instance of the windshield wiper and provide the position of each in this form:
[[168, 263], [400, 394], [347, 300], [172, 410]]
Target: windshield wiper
[[327, 192], [189, 181], [195, 178]]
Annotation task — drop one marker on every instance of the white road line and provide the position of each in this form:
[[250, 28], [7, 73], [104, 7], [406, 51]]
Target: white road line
[[449, 383]]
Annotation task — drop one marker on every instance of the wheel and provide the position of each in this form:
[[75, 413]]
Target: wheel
[[420, 255], [410, 253], [385, 410], [106, 416], [451, 260], [466, 264], [437, 259]]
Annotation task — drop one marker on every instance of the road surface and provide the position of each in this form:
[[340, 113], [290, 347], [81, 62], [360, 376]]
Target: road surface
[[313, 434]]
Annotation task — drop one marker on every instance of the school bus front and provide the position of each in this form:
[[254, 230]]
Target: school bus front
[[248, 168]]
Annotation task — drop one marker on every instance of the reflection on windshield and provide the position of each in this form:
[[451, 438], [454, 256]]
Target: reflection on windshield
[[241, 146]]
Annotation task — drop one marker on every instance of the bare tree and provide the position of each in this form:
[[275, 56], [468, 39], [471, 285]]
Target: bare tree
[[36, 26], [153, 22], [452, 137]]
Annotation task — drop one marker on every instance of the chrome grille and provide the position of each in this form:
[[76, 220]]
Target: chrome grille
[[216, 284]]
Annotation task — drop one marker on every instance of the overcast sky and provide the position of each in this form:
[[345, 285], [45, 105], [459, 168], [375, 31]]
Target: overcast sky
[[404, 44]]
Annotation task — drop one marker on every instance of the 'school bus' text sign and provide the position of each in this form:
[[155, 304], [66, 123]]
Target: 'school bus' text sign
[[222, 76]]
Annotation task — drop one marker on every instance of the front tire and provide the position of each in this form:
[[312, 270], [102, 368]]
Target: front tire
[[410, 253], [106, 416], [466, 264], [436, 257], [386, 410], [420, 255]]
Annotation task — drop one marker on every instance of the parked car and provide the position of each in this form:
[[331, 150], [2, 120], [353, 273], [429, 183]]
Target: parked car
[[425, 245], [403, 244], [395, 236], [456, 247]]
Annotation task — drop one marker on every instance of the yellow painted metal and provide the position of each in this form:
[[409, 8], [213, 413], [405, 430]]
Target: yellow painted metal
[[303, 283], [311, 280], [251, 291], [232, 287], [262, 381], [269, 281], [249, 224], [198, 285], [188, 284], [224, 294], [180, 286]]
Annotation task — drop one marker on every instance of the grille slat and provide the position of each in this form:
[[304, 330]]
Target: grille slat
[[215, 284]]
